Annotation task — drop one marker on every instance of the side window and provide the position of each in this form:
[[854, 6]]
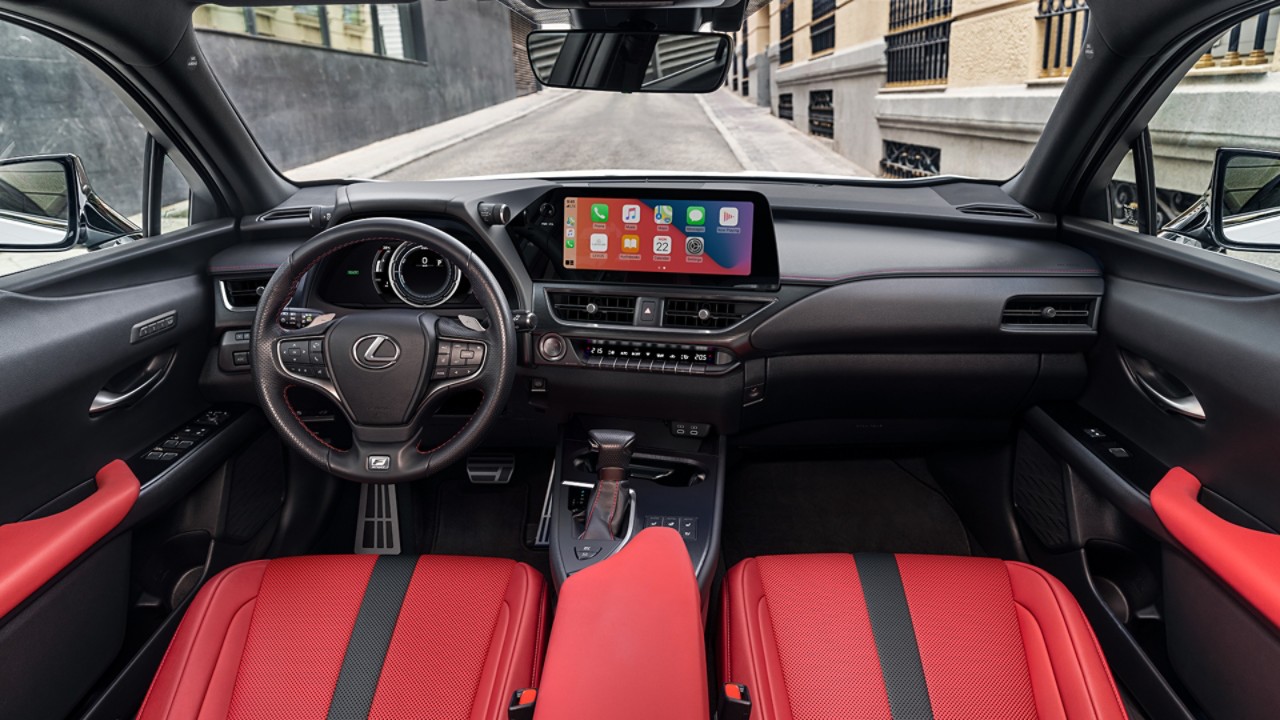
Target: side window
[[55, 104], [1201, 194]]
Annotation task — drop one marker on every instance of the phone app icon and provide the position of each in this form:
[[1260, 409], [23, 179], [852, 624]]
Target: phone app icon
[[599, 242], [693, 246], [599, 212], [662, 245], [729, 216], [630, 214], [569, 243], [662, 214], [631, 243], [695, 215]]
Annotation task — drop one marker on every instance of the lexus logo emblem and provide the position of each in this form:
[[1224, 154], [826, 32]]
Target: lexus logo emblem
[[375, 352]]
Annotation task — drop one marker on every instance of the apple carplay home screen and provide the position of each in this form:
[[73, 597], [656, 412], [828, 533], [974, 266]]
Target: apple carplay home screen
[[700, 237]]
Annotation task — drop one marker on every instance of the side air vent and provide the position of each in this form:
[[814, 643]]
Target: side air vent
[[706, 314], [289, 213], [996, 210], [604, 309], [1067, 313], [243, 293]]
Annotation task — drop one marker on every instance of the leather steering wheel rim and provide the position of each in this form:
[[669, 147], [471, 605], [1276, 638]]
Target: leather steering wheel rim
[[383, 452]]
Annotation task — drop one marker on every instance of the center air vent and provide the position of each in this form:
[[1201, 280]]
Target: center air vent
[[706, 314], [1069, 313], [604, 309], [243, 293]]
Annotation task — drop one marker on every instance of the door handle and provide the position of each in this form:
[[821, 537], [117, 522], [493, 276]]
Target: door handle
[[155, 371], [1164, 389]]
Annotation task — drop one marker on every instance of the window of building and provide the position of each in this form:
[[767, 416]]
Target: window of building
[[387, 30], [786, 107], [787, 26], [1230, 90], [904, 160], [822, 29], [822, 118], [1062, 25], [918, 45]]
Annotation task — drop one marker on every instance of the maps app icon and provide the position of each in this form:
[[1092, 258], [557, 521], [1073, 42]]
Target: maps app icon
[[662, 214]]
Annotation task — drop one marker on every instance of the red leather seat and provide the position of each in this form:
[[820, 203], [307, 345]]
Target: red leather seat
[[910, 636], [355, 636]]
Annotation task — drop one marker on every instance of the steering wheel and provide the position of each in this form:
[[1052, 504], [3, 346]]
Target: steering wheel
[[389, 369]]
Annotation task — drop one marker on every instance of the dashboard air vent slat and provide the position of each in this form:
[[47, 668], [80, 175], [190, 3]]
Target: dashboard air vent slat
[[243, 293], [996, 210], [706, 314], [302, 212], [592, 308], [1060, 312]]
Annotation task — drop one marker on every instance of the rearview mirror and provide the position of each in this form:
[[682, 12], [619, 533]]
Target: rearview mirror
[[1246, 199], [46, 204], [630, 61]]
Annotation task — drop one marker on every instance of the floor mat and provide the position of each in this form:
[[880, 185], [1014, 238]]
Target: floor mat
[[837, 506]]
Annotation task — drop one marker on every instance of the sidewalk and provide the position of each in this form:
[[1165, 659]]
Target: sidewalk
[[379, 158], [764, 143]]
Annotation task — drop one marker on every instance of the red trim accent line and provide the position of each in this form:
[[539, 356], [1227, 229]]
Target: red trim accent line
[[1247, 560], [37, 550]]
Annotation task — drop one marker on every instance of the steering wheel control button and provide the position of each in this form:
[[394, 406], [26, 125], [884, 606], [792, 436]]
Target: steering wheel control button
[[304, 357], [379, 463], [457, 359]]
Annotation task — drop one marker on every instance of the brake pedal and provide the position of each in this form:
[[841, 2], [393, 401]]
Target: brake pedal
[[491, 469], [378, 521]]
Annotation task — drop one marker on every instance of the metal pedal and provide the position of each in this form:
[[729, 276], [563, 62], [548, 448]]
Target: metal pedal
[[378, 521], [543, 538], [491, 469]]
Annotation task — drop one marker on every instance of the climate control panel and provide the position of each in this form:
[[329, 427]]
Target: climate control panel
[[652, 356]]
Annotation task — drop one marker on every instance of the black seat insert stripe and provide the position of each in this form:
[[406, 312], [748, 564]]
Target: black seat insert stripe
[[895, 636], [371, 636]]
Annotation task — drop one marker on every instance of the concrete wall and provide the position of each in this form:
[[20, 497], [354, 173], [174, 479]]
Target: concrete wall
[[302, 103], [853, 75]]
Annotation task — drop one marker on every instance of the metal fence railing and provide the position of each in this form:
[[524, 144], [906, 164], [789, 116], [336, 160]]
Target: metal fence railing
[[822, 117], [904, 14], [1063, 24], [786, 106], [904, 160], [920, 56], [1252, 42]]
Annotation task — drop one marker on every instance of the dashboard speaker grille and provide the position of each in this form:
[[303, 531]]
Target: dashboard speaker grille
[[583, 307], [243, 293], [708, 314], [1062, 312]]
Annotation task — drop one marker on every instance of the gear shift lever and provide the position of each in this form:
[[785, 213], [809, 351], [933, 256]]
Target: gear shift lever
[[606, 513]]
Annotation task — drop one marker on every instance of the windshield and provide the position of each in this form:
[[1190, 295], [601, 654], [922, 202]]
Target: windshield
[[897, 89]]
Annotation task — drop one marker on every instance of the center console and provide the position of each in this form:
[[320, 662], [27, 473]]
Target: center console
[[674, 478]]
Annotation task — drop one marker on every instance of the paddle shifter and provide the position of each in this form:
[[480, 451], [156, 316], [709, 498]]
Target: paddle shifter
[[607, 510]]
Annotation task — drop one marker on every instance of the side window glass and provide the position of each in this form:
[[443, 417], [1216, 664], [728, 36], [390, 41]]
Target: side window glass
[[55, 104], [175, 199], [1225, 101]]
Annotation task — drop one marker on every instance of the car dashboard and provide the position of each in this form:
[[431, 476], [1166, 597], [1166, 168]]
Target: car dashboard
[[866, 313]]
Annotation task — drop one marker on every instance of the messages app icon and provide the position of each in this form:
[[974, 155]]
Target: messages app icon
[[696, 215], [599, 212], [662, 214]]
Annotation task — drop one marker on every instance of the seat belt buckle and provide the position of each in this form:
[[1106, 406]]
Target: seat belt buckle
[[522, 702], [735, 702]]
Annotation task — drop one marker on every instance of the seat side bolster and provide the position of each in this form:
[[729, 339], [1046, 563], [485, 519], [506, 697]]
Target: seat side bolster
[[198, 671], [515, 650], [1065, 647]]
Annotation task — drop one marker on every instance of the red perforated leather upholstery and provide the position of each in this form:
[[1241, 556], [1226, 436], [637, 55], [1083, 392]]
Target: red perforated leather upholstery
[[994, 639], [267, 639]]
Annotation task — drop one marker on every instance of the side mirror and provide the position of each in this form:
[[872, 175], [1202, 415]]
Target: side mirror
[[1245, 200], [46, 204], [630, 61]]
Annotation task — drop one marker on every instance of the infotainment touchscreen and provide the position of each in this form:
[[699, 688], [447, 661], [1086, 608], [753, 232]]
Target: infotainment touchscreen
[[645, 235]]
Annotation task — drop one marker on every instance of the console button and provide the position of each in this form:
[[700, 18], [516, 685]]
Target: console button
[[586, 552], [753, 394], [653, 521], [671, 522], [648, 314], [552, 347], [688, 528]]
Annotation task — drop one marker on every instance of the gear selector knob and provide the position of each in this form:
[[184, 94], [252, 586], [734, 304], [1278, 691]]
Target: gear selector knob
[[607, 511], [613, 449]]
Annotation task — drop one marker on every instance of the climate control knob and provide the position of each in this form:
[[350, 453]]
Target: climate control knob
[[552, 347]]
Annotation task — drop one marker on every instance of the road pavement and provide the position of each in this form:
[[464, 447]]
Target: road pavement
[[589, 131]]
